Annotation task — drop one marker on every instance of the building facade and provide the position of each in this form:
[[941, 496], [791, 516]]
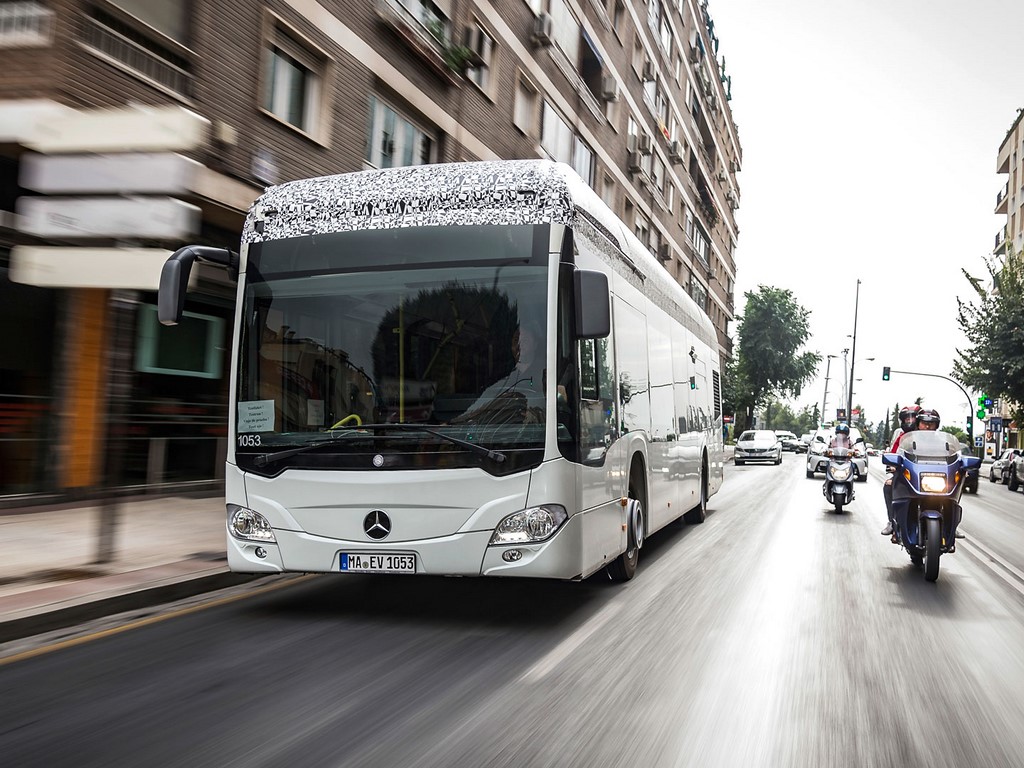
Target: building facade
[[1009, 241], [130, 127]]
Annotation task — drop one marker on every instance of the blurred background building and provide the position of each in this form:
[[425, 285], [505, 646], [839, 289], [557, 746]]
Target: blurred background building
[[1009, 244], [130, 127]]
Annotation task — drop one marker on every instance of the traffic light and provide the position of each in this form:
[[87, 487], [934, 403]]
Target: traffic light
[[970, 425], [693, 382], [885, 373]]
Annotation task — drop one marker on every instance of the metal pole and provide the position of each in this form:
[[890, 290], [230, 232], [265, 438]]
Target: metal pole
[[853, 357], [824, 399]]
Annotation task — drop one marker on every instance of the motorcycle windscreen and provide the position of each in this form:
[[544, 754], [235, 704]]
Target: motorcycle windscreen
[[923, 447]]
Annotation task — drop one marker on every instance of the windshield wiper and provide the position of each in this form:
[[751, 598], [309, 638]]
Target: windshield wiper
[[265, 458]]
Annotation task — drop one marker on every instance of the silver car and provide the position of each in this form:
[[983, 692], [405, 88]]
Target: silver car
[[817, 461], [758, 445], [999, 472]]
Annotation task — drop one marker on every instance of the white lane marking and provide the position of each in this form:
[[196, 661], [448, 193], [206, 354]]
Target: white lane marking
[[994, 560], [561, 652]]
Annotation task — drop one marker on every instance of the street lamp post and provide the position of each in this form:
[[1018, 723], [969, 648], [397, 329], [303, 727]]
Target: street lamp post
[[824, 399], [853, 356]]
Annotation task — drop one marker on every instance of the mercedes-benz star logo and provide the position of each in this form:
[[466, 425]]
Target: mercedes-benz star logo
[[377, 525]]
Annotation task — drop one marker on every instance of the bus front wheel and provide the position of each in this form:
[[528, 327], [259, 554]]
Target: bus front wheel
[[624, 566]]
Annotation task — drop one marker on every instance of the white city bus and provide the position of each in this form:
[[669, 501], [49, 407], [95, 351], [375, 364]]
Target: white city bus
[[383, 417]]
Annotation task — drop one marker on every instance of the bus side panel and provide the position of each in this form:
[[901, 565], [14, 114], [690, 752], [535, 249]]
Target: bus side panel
[[664, 504]]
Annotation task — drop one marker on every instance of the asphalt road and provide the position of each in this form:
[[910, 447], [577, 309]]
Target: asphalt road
[[776, 634]]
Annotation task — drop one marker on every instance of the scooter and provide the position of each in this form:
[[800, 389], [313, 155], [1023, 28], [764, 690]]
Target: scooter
[[838, 487], [929, 477]]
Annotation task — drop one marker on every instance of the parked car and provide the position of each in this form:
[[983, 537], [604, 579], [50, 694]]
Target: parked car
[[1000, 469], [872, 451], [790, 442], [758, 445], [1015, 476], [817, 461], [971, 483]]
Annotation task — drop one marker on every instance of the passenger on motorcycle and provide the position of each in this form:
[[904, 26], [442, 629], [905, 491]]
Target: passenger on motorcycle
[[908, 423], [841, 439]]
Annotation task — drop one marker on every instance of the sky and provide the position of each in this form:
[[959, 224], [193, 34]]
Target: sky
[[870, 131]]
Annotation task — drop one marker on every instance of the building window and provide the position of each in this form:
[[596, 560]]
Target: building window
[[618, 16], [524, 115], [140, 44], [556, 137], [394, 140], [293, 81], [658, 171], [583, 161], [565, 28], [483, 46], [608, 191]]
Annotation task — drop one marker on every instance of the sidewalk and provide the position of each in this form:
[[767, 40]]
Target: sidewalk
[[165, 549]]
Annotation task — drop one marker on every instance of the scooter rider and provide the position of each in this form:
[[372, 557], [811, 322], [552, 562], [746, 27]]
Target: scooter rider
[[908, 423], [841, 439]]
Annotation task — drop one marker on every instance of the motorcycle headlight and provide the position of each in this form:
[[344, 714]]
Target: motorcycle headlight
[[530, 525], [840, 473], [933, 483]]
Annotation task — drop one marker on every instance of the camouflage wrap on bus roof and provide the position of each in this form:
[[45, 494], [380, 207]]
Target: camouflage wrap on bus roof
[[499, 192]]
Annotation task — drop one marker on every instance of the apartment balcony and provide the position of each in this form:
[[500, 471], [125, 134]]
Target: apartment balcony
[[25, 24], [1001, 202], [425, 35], [1000, 242]]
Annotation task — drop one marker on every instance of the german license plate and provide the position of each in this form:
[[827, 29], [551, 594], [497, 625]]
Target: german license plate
[[365, 562]]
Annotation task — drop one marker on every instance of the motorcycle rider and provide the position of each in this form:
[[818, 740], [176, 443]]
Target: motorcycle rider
[[908, 423], [841, 439]]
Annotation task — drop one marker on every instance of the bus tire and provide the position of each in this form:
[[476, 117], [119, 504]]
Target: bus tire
[[699, 513], [623, 568]]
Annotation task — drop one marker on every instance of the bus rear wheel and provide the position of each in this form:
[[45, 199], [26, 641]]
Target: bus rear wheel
[[624, 566]]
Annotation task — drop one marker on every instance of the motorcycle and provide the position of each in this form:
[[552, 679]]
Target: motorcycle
[[839, 474], [928, 480]]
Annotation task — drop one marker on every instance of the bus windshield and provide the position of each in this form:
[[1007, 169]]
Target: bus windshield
[[440, 326]]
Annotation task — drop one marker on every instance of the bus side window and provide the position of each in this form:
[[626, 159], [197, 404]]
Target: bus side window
[[597, 399]]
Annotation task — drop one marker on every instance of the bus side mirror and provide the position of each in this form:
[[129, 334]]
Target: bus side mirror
[[175, 273], [593, 306]]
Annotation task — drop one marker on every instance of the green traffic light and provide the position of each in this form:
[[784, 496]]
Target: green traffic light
[[885, 373]]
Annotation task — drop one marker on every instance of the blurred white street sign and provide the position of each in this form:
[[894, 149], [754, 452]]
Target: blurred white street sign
[[161, 218], [83, 267], [133, 172], [124, 129]]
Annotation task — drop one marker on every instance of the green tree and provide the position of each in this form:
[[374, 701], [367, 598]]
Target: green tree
[[769, 363], [993, 360]]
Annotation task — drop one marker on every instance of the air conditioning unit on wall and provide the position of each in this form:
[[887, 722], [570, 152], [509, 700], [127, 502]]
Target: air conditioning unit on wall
[[542, 30], [609, 88], [676, 153], [665, 252], [648, 74], [634, 161], [645, 144]]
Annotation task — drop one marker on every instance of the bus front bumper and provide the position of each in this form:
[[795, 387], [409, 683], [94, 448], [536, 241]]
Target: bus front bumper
[[461, 554]]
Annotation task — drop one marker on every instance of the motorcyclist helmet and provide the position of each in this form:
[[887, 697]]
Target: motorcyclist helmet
[[843, 429], [928, 416], [908, 417]]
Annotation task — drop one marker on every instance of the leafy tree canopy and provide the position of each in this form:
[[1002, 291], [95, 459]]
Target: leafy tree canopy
[[769, 363], [993, 321]]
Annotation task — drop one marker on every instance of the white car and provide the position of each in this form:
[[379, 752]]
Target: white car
[[817, 461], [758, 445]]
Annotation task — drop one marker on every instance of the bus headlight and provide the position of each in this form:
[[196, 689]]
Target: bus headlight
[[249, 525], [530, 525], [933, 483]]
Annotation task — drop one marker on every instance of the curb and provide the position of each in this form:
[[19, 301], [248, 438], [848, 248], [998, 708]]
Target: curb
[[62, 618]]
